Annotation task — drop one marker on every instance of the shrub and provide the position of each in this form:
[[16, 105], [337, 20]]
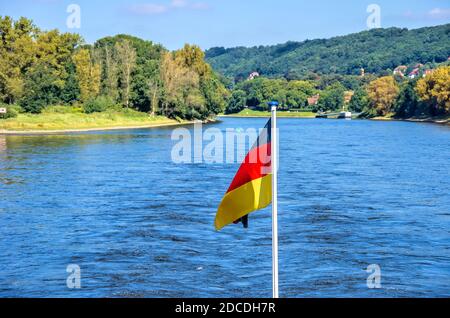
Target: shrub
[[33, 105], [11, 111], [59, 109], [99, 104]]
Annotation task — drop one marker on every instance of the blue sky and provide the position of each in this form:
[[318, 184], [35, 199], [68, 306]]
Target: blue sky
[[226, 23]]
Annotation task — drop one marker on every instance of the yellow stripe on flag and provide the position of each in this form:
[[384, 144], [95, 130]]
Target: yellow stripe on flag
[[250, 197]]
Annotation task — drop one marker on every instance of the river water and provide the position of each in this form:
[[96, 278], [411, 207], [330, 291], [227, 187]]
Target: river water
[[351, 194]]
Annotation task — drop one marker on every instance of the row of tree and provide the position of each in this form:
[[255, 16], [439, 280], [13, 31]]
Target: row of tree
[[330, 91], [258, 92], [369, 95], [41, 68], [429, 96]]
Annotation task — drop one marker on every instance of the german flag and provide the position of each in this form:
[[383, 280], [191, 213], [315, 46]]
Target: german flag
[[251, 189]]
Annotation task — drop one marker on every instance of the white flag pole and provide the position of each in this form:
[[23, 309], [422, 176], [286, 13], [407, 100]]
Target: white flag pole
[[274, 159]]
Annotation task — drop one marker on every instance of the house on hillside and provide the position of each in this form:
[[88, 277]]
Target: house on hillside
[[414, 73], [362, 72], [417, 71], [400, 70], [314, 100], [253, 75]]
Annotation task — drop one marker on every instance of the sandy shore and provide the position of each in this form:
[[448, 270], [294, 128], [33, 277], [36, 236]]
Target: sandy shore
[[440, 121], [434, 121], [69, 131]]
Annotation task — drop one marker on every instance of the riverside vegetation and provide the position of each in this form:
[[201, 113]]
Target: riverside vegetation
[[51, 80], [390, 72], [131, 80]]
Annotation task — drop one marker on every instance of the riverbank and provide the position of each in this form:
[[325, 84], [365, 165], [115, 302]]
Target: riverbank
[[282, 114], [441, 120], [247, 113], [50, 123]]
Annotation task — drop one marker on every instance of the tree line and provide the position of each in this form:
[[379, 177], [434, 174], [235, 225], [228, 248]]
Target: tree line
[[399, 96], [405, 98], [41, 68], [378, 51]]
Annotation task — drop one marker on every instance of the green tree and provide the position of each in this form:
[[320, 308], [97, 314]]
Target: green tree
[[407, 102], [182, 96], [298, 93], [210, 99], [237, 102], [110, 71], [332, 98], [55, 50], [34, 65], [71, 91], [192, 57], [126, 55], [41, 89], [145, 79], [359, 101], [17, 54], [215, 94]]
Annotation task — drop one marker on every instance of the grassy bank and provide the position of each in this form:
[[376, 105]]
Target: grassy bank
[[282, 114], [81, 121]]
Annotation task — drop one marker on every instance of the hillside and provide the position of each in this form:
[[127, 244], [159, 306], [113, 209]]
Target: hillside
[[376, 51]]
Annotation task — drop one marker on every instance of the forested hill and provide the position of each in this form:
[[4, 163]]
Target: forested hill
[[377, 51]]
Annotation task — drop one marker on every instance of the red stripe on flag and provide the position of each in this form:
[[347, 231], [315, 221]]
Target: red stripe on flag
[[256, 165]]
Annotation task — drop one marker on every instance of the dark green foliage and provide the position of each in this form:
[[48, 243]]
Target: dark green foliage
[[332, 98], [237, 102], [71, 91], [377, 51], [41, 89], [258, 92], [350, 82], [407, 103], [215, 95], [139, 93], [148, 57], [261, 90], [99, 104], [359, 101]]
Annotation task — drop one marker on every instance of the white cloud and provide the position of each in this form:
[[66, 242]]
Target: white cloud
[[154, 8], [439, 13], [179, 3]]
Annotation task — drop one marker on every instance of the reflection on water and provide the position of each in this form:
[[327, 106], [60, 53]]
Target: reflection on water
[[352, 193], [2, 143]]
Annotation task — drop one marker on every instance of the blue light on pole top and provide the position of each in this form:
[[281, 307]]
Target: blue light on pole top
[[273, 103]]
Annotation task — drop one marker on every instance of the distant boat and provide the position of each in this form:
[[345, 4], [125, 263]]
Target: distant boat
[[345, 115]]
